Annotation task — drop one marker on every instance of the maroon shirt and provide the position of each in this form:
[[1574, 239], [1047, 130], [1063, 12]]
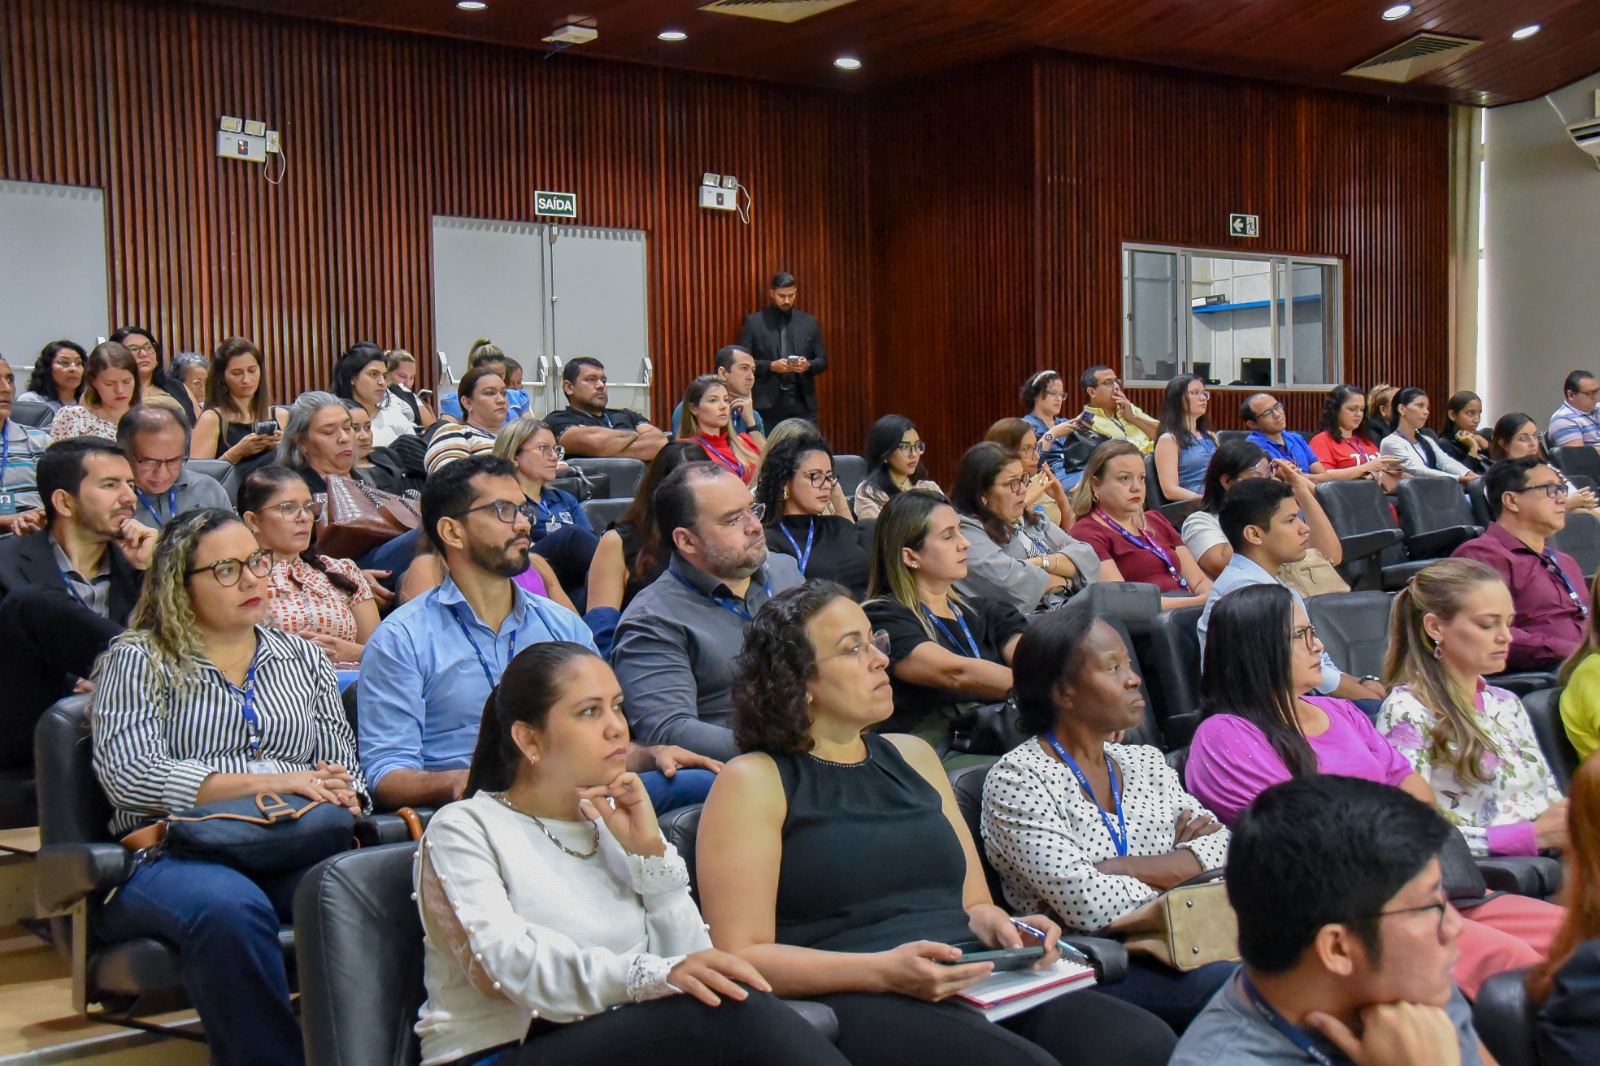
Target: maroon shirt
[[1134, 562], [1548, 625]]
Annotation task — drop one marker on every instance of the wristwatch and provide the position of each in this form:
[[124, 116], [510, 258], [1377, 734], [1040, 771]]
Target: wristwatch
[[1372, 677]]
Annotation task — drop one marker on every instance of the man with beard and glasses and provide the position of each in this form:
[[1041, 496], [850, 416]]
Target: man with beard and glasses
[[676, 642], [429, 667], [67, 590]]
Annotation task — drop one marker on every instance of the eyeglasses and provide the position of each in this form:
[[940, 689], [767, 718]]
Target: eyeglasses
[[1591, 393], [1055, 394], [1437, 905], [1554, 490], [1275, 409], [551, 451], [755, 512], [822, 478], [878, 640], [229, 571], [1306, 634], [68, 364], [289, 510], [912, 447], [140, 349], [504, 510], [152, 465], [1108, 383], [1017, 485], [1203, 394]]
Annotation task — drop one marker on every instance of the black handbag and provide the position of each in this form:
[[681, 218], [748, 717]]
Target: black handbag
[[988, 729], [261, 835]]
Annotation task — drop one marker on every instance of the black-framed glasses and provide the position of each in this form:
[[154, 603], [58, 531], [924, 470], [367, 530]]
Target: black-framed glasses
[[1553, 490], [229, 571], [912, 447], [879, 640], [289, 510], [152, 465], [1275, 409], [141, 349], [1437, 905], [504, 510], [1306, 634], [822, 478], [1017, 485]]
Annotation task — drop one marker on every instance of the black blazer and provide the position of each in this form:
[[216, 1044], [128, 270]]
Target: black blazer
[[760, 338], [30, 562]]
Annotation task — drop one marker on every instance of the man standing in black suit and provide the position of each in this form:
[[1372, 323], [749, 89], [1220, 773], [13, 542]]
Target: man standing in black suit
[[787, 347]]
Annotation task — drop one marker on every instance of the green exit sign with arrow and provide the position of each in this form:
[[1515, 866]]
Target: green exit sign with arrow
[[1244, 225], [555, 204]]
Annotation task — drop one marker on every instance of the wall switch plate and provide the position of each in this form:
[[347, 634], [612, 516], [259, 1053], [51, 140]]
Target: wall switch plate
[[718, 199], [241, 146], [254, 128], [229, 124], [274, 142]]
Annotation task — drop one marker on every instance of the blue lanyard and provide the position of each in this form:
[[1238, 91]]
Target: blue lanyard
[[1552, 564], [511, 652], [5, 450], [72, 587], [727, 603], [1119, 835], [811, 534], [1149, 546], [1423, 453], [150, 505], [252, 724], [1041, 549], [951, 637], [1291, 1032], [1280, 450], [732, 462]]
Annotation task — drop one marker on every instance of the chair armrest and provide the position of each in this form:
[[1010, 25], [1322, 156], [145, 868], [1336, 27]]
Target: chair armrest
[[1439, 543], [1537, 876], [1109, 957], [1361, 545], [66, 873]]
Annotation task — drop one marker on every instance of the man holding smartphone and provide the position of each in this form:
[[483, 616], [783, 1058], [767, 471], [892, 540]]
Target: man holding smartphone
[[786, 344]]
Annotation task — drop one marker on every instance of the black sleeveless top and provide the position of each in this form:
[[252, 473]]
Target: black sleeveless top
[[869, 859]]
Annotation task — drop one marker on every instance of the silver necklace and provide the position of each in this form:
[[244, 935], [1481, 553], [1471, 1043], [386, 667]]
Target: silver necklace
[[591, 853]]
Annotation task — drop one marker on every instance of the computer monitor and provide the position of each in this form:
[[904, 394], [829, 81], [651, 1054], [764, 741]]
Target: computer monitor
[[1255, 371]]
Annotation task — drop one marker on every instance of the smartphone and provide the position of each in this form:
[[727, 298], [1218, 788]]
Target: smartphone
[[1087, 418], [1004, 959], [267, 428]]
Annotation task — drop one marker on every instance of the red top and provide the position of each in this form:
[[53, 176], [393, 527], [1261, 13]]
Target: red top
[[720, 449], [1135, 563], [1344, 453]]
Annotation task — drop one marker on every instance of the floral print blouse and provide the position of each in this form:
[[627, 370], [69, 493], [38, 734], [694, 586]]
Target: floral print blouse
[[301, 598], [1496, 818]]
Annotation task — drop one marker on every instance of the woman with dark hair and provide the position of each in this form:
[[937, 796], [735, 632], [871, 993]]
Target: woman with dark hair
[[323, 599], [549, 893], [375, 465], [362, 375], [834, 859], [630, 554], [1131, 543], [894, 464], [796, 486], [1202, 531], [57, 375], [1261, 724], [110, 387], [1346, 447], [1566, 986], [238, 403], [1461, 438], [482, 395], [1015, 556], [1186, 444], [1413, 443], [1517, 436], [1090, 830], [1045, 494], [947, 652], [153, 383], [707, 422], [1044, 395]]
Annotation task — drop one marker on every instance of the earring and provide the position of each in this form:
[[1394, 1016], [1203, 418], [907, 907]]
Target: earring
[[786, 492], [533, 760], [911, 566], [1438, 649]]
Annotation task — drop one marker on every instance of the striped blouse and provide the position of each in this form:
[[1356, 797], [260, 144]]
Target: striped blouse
[[156, 742], [456, 442]]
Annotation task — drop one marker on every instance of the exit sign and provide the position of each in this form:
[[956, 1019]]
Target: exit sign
[[556, 204], [1244, 225]]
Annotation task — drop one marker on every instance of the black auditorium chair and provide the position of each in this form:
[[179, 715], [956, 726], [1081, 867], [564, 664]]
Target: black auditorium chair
[[852, 471], [19, 806], [1544, 712], [1168, 649], [679, 826], [1225, 435], [216, 469], [1354, 628], [1581, 540], [1581, 460], [1368, 534], [1178, 511], [31, 413], [1435, 517], [1479, 502], [1154, 498], [622, 474], [1507, 1020], [602, 513]]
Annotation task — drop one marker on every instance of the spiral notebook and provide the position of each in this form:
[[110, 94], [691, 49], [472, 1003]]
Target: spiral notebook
[[1004, 994]]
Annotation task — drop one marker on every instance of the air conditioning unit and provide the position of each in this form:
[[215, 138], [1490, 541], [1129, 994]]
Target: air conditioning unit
[[1586, 135]]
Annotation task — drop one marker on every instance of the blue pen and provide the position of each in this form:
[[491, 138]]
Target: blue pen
[[1066, 949], [1026, 928]]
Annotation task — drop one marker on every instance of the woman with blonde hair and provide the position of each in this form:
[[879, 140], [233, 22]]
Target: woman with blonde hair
[[706, 416], [559, 529], [1045, 493], [1380, 412], [1565, 985], [1472, 742]]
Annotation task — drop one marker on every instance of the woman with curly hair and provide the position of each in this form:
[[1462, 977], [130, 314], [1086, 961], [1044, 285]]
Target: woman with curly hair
[[797, 486], [1565, 986], [201, 701], [56, 376], [834, 860]]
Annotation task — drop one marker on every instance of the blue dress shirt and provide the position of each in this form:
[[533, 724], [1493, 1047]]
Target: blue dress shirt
[[1244, 571]]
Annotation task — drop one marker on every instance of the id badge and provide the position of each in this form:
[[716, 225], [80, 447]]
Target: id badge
[[7, 504], [259, 766], [553, 526]]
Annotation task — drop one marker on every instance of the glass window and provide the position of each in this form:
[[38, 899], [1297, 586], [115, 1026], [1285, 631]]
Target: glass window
[[1248, 320]]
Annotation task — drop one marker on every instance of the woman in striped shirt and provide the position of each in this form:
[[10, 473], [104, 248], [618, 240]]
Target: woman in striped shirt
[[200, 701], [484, 405]]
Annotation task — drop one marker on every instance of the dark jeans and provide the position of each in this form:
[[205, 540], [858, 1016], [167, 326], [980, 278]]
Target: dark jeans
[[1171, 995], [394, 556], [760, 1031], [48, 637], [1086, 1028], [569, 550], [225, 928], [683, 789]]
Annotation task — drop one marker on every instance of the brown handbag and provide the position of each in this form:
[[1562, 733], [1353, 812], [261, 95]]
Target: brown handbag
[[1197, 926], [357, 518]]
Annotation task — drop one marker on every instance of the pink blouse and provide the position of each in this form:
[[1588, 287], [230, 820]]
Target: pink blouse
[[300, 597], [1231, 761]]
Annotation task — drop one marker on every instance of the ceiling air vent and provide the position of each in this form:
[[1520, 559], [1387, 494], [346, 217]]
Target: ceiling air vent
[[774, 10], [1414, 57]]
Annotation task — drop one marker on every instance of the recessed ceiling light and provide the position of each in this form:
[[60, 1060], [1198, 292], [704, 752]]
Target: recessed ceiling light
[[1398, 11], [672, 35], [1526, 32], [471, 5], [847, 63]]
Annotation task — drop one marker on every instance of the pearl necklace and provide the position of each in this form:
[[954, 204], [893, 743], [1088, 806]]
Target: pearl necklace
[[591, 853]]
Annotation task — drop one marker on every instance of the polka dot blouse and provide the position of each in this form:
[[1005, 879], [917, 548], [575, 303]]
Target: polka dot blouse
[[1044, 835]]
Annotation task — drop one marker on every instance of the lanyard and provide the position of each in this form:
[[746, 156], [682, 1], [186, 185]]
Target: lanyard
[[1149, 546], [731, 462], [252, 724], [72, 587], [727, 603], [1038, 548], [1119, 835], [1554, 566], [1282, 451], [1291, 1032], [511, 653], [5, 450], [951, 637], [1361, 450], [1423, 453], [150, 505], [803, 556]]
